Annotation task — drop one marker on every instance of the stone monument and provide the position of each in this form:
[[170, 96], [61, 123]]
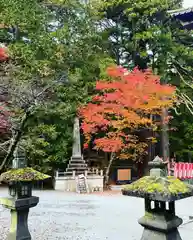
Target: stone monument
[[76, 149], [77, 167], [76, 164]]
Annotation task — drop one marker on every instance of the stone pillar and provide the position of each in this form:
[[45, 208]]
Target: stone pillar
[[76, 149], [165, 137], [19, 216]]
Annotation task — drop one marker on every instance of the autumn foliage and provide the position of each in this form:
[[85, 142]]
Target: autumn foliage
[[123, 105], [4, 119], [3, 54], [4, 114]]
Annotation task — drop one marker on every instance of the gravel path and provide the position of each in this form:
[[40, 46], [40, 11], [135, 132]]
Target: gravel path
[[71, 216]]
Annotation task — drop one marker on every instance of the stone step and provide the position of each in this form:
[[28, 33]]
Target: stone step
[[77, 157], [77, 165], [76, 168], [71, 173], [77, 162]]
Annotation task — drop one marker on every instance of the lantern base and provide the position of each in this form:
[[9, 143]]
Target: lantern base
[[160, 226], [19, 216], [152, 235]]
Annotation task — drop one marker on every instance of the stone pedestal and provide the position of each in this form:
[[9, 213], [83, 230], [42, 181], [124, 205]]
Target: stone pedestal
[[19, 216], [64, 183], [159, 223], [67, 181], [76, 163]]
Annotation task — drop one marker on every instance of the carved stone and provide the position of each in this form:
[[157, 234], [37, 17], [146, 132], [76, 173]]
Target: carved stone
[[76, 149]]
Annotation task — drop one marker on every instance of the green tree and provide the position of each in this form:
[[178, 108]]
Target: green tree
[[55, 55], [144, 34], [181, 135]]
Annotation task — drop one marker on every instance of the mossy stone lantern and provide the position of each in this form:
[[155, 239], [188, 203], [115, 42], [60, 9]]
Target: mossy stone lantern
[[160, 194], [20, 180], [21, 177], [18, 189]]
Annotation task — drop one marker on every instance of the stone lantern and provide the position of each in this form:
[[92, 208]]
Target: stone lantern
[[22, 188], [20, 180], [160, 194]]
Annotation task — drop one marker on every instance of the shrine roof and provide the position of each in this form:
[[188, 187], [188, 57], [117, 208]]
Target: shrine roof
[[185, 16]]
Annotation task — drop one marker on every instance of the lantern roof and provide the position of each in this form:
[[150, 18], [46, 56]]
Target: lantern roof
[[23, 175], [166, 189], [157, 187]]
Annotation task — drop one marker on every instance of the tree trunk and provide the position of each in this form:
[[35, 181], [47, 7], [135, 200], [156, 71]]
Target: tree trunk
[[165, 137], [19, 132], [106, 177], [15, 139]]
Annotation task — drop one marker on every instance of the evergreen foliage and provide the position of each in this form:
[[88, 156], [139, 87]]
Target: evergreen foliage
[[55, 56]]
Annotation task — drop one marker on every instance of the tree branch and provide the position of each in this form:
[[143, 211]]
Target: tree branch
[[14, 141], [4, 144], [186, 101], [183, 78], [19, 132]]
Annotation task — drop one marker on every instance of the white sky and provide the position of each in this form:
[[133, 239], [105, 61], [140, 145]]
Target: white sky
[[188, 3]]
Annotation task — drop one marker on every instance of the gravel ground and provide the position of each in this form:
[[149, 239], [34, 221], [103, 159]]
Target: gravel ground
[[71, 216]]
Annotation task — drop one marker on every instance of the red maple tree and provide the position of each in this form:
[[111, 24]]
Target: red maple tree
[[3, 54], [124, 105], [4, 113]]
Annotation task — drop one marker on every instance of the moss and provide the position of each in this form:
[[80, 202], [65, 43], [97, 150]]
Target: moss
[[23, 174], [148, 215], [166, 186]]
